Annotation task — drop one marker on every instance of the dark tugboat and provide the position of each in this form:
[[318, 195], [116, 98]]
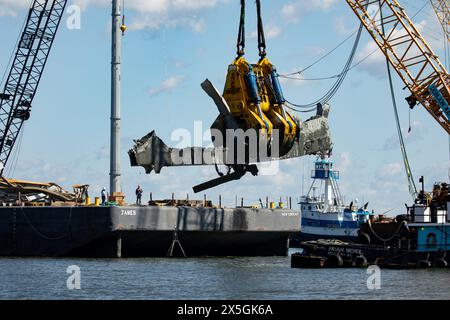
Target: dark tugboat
[[419, 239]]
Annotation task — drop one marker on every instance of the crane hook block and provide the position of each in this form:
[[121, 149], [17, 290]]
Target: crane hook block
[[256, 102]]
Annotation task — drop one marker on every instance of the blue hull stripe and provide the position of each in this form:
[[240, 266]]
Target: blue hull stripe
[[308, 236], [330, 223]]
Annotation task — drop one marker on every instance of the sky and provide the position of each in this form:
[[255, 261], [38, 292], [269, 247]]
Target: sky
[[170, 47]]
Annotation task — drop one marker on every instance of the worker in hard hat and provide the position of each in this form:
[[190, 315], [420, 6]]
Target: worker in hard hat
[[139, 192], [104, 196]]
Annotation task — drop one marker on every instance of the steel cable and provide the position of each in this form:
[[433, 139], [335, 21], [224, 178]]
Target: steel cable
[[341, 77]]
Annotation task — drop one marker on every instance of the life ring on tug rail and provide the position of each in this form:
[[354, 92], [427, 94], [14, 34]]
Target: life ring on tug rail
[[334, 261], [431, 240]]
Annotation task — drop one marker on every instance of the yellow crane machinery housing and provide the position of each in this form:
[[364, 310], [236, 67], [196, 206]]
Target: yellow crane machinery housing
[[409, 54]]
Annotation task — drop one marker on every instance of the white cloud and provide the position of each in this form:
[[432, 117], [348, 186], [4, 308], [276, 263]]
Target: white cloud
[[340, 26], [271, 31], [153, 6], [343, 161], [375, 61], [12, 7], [296, 81], [180, 64], [295, 10], [150, 22], [167, 85], [84, 4], [417, 133], [390, 170], [430, 29], [146, 14], [193, 5], [437, 171], [314, 51], [158, 14]]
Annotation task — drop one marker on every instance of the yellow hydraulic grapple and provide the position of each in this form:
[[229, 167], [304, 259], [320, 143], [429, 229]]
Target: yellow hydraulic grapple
[[254, 96], [256, 101]]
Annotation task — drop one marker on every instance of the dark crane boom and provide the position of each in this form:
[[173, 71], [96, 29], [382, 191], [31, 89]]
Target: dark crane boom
[[26, 70]]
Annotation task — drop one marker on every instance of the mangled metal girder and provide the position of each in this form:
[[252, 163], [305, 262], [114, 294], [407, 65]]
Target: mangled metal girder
[[240, 152], [152, 153]]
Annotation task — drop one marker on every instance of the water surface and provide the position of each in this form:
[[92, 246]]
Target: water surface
[[209, 278]]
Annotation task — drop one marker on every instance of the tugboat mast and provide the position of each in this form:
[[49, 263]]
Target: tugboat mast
[[323, 171]]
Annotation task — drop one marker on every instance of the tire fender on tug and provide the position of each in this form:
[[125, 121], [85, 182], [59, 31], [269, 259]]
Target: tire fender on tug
[[334, 261], [440, 263], [360, 262], [363, 238], [423, 264]]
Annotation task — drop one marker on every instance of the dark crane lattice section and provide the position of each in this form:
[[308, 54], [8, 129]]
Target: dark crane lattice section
[[26, 70], [409, 54]]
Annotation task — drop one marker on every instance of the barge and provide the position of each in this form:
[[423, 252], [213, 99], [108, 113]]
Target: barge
[[144, 231]]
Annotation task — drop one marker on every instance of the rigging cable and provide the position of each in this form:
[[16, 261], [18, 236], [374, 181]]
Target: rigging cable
[[15, 48], [241, 33], [409, 175], [261, 37], [447, 65], [293, 108], [311, 79], [446, 32], [333, 90], [340, 76], [16, 155], [290, 76], [321, 58]]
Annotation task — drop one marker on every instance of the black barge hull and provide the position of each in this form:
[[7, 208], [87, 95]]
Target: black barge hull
[[113, 232]]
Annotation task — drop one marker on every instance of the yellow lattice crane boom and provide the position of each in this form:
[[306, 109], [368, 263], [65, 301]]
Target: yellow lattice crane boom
[[442, 9], [409, 54]]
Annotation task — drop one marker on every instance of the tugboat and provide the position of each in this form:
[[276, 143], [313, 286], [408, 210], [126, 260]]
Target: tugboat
[[419, 239], [424, 231], [324, 216]]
